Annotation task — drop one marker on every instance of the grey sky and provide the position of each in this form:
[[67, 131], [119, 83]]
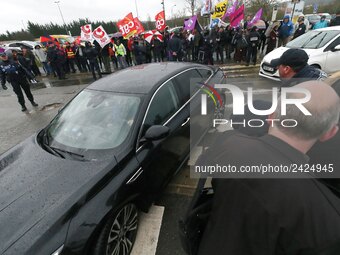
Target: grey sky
[[18, 12]]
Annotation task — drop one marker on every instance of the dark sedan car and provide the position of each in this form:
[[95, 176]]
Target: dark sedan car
[[76, 187]]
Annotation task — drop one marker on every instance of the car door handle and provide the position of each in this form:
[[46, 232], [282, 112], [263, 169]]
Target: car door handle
[[135, 176], [185, 122]]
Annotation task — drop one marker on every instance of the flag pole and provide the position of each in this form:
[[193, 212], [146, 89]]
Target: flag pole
[[136, 9]]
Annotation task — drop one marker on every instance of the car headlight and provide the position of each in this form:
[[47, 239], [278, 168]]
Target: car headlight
[[58, 252]]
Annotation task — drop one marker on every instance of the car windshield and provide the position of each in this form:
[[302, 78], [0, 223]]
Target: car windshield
[[313, 39], [94, 120]]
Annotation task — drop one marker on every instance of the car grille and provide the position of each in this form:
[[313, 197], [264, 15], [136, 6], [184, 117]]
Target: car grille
[[268, 68]]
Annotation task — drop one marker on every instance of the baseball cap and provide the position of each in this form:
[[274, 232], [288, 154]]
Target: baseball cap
[[292, 58]]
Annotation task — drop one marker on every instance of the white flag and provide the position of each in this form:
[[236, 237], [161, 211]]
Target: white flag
[[86, 33], [101, 36]]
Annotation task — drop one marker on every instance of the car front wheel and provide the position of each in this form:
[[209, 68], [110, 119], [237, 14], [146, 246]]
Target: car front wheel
[[119, 233]]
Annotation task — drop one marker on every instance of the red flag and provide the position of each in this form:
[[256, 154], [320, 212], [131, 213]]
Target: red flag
[[127, 26], [139, 26], [237, 16], [160, 21]]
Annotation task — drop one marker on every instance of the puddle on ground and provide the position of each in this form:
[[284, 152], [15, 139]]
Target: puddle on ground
[[50, 107]]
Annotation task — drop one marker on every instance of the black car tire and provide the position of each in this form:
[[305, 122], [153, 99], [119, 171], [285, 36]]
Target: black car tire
[[119, 232]]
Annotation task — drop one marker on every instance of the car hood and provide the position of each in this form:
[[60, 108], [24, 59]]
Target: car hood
[[35, 184]]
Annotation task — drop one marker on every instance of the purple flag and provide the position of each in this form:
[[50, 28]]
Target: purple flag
[[237, 16], [190, 23], [230, 10], [255, 19]]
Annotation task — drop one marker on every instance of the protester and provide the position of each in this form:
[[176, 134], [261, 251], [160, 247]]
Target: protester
[[285, 31], [272, 39], [197, 43], [70, 54], [220, 45], [301, 29], [174, 47], [120, 52], [106, 58], [253, 39], [322, 23], [15, 74], [42, 57], [208, 49], [277, 216], [81, 58], [91, 54], [240, 44], [293, 68]]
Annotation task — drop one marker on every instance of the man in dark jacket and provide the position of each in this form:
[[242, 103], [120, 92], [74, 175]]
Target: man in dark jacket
[[175, 47], [91, 54], [253, 39], [14, 74], [55, 60], [293, 68]]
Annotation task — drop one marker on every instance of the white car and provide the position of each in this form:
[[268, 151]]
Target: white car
[[321, 45]]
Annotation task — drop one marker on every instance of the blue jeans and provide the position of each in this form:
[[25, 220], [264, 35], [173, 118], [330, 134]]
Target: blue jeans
[[122, 62], [47, 68]]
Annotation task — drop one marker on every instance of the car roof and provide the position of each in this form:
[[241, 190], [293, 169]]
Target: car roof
[[141, 79]]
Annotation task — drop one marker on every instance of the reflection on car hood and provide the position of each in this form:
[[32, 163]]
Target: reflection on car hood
[[274, 54], [34, 184]]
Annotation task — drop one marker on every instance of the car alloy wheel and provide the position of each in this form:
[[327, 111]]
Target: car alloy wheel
[[123, 231]]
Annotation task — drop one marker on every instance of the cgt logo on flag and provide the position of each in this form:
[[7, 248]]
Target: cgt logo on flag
[[160, 21], [127, 26]]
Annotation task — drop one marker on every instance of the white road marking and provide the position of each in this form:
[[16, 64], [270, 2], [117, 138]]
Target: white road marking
[[148, 231]]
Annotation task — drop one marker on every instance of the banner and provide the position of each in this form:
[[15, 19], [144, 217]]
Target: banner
[[298, 10], [237, 16], [255, 18], [160, 21], [101, 36], [230, 10], [86, 33], [127, 26], [190, 23], [220, 9], [139, 26], [206, 9]]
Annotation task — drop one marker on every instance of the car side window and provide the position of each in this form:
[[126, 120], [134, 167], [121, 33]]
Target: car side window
[[164, 104], [206, 73], [186, 88]]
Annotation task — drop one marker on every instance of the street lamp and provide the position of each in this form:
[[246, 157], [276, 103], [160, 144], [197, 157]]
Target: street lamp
[[136, 8], [172, 15], [61, 14]]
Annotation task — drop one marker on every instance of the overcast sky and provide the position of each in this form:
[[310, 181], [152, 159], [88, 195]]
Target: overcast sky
[[18, 12]]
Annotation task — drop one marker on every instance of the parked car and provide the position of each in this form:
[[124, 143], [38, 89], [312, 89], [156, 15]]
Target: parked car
[[335, 21], [312, 18], [321, 45], [76, 187]]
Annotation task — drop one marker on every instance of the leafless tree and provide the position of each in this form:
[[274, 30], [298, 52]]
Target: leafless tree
[[252, 6], [191, 5]]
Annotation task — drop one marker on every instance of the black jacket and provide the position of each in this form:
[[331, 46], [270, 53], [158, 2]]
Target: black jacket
[[11, 71], [300, 30], [175, 44], [305, 74]]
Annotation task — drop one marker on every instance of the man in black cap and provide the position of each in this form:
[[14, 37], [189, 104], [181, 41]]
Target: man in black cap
[[14, 74], [293, 68]]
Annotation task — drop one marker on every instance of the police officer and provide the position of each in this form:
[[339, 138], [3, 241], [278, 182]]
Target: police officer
[[15, 75]]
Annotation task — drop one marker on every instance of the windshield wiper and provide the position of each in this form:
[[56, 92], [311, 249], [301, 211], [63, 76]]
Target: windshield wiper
[[317, 46], [309, 40], [46, 144], [68, 152]]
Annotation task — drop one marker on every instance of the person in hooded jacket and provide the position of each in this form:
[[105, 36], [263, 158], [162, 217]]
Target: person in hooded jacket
[[253, 39], [285, 30], [91, 54]]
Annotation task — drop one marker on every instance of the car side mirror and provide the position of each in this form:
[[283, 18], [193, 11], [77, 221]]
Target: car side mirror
[[336, 48], [156, 132]]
